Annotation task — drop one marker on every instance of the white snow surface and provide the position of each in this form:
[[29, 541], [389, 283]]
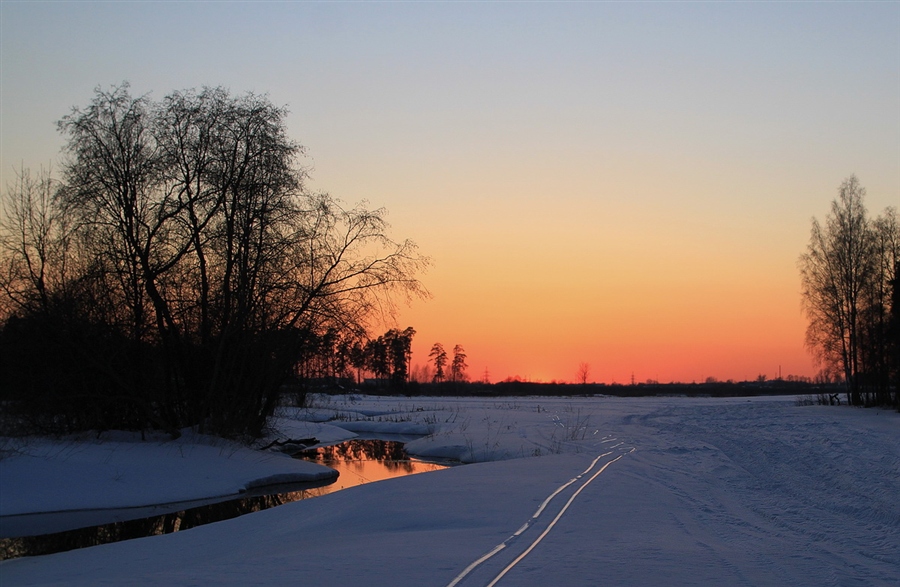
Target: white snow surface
[[564, 491], [118, 470]]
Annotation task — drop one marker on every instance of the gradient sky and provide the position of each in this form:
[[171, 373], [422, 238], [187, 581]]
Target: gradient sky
[[623, 184]]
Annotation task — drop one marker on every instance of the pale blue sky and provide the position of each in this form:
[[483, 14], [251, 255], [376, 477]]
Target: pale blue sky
[[512, 140], [750, 79]]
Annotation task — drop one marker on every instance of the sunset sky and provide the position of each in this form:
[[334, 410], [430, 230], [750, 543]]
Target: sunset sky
[[623, 184]]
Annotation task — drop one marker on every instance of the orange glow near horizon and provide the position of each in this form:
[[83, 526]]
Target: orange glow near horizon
[[623, 184], [653, 325], [620, 352], [663, 279]]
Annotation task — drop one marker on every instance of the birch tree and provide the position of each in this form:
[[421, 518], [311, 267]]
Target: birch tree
[[846, 276]]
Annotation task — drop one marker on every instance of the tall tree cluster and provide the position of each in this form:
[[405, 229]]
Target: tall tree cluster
[[849, 277], [338, 355], [179, 269], [388, 356], [441, 361]]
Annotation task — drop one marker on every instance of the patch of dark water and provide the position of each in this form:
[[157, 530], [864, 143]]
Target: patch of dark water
[[357, 461], [157, 524]]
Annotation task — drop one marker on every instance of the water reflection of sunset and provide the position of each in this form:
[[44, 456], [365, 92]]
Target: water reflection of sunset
[[365, 461]]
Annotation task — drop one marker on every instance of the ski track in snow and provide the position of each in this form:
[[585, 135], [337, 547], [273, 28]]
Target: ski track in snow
[[533, 521]]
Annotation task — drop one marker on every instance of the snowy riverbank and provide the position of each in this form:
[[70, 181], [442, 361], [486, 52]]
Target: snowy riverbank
[[671, 491]]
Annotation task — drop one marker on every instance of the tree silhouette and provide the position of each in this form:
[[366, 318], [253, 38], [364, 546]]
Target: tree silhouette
[[198, 267], [584, 371], [399, 346], [846, 276], [458, 366], [439, 356], [388, 356]]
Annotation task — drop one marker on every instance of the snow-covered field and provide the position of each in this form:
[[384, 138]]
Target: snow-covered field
[[563, 491]]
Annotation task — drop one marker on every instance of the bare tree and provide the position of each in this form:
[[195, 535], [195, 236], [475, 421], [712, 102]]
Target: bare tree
[[584, 371], [421, 373], [59, 368], [202, 250], [846, 275], [34, 244]]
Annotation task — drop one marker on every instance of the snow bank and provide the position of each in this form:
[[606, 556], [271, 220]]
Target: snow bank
[[119, 470]]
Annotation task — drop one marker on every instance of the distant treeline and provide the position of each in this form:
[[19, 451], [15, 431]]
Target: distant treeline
[[825, 391]]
